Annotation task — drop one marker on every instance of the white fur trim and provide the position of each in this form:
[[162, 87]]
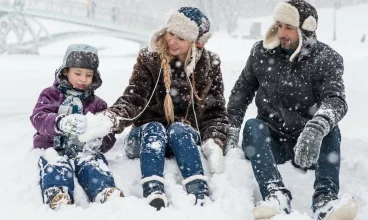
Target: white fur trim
[[297, 51], [156, 36], [179, 24], [271, 40], [190, 66], [194, 177], [154, 195], [151, 178], [204, 38], [310, 24], [287, 14]]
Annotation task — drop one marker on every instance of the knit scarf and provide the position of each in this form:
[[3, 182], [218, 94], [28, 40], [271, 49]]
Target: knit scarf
[[67, 144]]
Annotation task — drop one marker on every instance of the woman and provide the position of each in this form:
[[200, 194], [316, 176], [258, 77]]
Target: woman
[[175, 72]]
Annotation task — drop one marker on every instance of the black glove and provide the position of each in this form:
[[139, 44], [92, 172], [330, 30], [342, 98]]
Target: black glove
[[93, 146]]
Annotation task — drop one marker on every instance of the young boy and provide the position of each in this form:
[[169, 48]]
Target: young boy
[[59, 117]]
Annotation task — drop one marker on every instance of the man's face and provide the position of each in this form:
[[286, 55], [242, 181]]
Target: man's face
[[288, 36]]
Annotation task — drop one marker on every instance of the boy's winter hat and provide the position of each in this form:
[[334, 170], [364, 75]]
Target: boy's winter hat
[[80, 56], [297, 13], [188, 23]]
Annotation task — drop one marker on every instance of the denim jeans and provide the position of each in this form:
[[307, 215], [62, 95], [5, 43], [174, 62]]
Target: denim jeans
[[265, 152], [91, 171], [152, 141]]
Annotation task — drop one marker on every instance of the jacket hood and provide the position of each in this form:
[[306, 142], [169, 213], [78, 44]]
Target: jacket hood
[[79, 56]]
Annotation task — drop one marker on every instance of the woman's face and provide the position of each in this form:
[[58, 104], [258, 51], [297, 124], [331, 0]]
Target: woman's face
[[178, 47]]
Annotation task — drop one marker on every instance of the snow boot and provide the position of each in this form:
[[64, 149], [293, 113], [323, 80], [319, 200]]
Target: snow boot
[[276, 203], [329, 207], [153, 191], [110, 192], [56, 197], [197, 185]]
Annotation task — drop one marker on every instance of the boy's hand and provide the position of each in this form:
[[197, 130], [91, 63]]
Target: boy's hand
[[74, 124]]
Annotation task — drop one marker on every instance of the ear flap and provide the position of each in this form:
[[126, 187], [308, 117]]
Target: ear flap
[[157, 35], [310, 24], [271, 40], [204, 38]]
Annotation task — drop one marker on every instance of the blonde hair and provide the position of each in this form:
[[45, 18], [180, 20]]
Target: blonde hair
[[165, 64]]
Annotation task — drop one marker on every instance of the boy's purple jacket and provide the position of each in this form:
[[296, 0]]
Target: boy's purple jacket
[[45, 114]]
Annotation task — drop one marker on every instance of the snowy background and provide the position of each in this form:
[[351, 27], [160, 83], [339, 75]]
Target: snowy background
[[234, 192]]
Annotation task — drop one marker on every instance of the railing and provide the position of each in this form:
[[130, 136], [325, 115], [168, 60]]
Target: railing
[[99, 10]]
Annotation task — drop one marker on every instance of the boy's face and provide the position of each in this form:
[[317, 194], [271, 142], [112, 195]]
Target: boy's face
[[79, 78]]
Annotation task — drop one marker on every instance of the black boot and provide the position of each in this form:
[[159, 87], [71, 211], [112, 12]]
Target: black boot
[[199, 188], [153, 190]]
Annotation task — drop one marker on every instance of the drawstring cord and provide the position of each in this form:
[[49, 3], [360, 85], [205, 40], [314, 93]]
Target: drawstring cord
[[191, 96], [149, 100], [194, 112]]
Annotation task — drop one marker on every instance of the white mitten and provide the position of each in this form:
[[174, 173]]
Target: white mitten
[[74, 124], [98, 126], [214, 155]]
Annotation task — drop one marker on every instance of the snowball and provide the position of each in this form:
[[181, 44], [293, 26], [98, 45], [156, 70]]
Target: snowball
[[98, 126]]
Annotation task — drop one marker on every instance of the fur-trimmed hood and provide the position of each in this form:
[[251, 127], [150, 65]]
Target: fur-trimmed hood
[[297, 13], [79, 56]]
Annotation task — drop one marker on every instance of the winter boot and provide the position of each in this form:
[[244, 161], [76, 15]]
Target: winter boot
[[197, 185], [110, 192], [56, 197], [153, 190], [329, 207], [276, 203]]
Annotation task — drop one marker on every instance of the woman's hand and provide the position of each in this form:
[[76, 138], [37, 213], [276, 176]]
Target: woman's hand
[[98, 126], [214, 155]]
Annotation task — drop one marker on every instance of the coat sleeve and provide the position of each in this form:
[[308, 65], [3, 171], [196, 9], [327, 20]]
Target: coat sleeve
[[242, 93], [214, 119], [332, 91], [135, 96], [45, 114], [109, 140]]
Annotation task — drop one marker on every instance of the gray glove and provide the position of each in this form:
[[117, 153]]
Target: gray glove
[[74, 124], [232, 138], [309, 142]]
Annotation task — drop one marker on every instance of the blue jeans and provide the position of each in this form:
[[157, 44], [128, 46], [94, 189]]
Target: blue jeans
[[91, 171], [150, 143], [265, 151]]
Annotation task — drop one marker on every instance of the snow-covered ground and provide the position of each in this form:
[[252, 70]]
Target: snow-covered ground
[[234, 192]]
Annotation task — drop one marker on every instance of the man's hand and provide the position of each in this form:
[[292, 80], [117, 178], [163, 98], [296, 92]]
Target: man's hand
[[232, 140], [309, 142]]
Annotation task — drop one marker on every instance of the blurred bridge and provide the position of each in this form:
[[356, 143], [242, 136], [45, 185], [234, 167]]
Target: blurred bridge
[[21, 29]]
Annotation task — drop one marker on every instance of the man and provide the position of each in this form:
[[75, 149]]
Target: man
[[300, 100]]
